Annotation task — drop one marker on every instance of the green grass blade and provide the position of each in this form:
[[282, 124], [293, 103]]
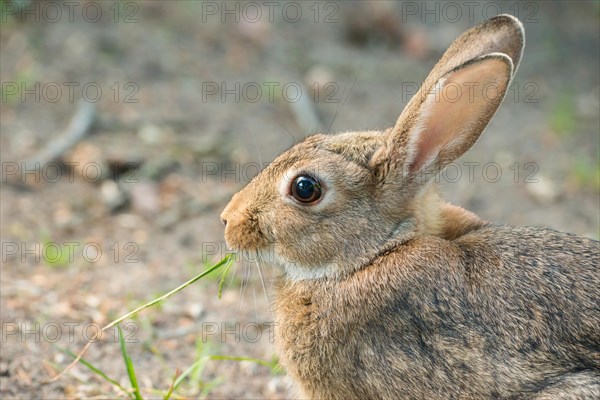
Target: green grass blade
[[129, 365], [223, 276], [195, 370], [172, 387], [96, 370], [208, 387], [188, 371], [226, 260]]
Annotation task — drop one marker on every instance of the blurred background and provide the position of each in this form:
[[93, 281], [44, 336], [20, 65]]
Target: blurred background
[[127, 126]]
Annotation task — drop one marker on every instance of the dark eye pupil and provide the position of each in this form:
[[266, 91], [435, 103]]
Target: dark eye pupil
[[306, 189]]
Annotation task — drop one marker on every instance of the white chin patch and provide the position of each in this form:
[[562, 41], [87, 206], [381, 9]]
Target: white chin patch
[[296, 271]]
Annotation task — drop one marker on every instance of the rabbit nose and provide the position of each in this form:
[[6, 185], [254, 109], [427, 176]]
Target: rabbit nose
[[225, 216]]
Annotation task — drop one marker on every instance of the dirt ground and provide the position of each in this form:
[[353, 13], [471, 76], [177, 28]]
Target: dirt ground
[[191, 98]]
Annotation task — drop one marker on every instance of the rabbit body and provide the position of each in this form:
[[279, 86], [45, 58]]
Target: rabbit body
[[387, 292], [472, 318]]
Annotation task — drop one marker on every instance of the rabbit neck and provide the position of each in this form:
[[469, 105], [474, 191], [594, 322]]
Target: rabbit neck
[[436, 217], [427, 207]]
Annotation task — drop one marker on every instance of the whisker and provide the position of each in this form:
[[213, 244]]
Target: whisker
[[262, 281], [248, 279], [257, 149], [245, 278], [237, 265], [255, 307], [294, 139], [344, 99]]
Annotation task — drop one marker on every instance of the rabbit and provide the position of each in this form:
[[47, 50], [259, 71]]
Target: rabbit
[[385, 291]]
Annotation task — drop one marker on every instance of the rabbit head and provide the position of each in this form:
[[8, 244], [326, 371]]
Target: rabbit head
[[332, 203]]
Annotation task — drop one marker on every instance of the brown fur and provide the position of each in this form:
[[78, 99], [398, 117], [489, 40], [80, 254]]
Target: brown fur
[[388, 292], [438, 319]]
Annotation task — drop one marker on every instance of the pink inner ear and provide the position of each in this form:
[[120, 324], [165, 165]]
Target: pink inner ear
[[452, 118], [436, 134]]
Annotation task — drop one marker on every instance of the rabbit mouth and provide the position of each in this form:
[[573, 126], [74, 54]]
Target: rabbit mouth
[[245, 234]]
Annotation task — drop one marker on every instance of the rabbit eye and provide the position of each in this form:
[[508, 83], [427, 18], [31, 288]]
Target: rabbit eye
[[306, 189]]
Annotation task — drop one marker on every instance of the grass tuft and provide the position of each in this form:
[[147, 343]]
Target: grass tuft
[[192, 376]]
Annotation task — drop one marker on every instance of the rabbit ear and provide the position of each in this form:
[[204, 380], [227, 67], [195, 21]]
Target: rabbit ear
[[456, 101], [500, 34], [455, 112]]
